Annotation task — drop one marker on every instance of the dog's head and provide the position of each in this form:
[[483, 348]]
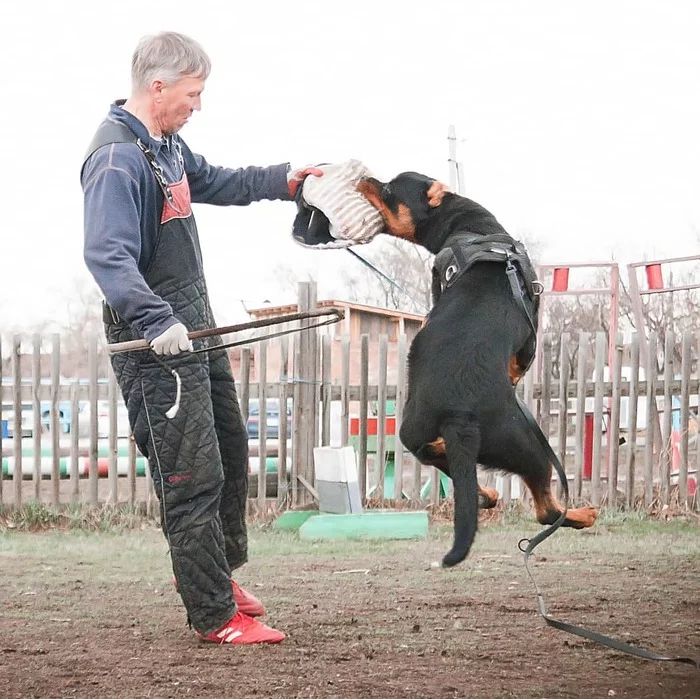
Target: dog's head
[[406, 203]]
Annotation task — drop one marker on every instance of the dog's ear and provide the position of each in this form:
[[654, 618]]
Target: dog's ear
[[436, 192]]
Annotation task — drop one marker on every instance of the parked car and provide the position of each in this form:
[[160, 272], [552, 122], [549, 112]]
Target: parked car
[[272, 410], [8, 420]]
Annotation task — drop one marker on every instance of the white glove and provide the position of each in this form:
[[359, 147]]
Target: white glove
[[173, 341]]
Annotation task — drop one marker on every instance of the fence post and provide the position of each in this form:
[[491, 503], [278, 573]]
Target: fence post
[[54, 422], [36, 414], [261, 370], [380, 464], [666, 446], [345, 391], [600, 352], [652, 416], [17, 436], [282, 487], [305, 409], [546, 386], [632, 422], [74, 441], [112, 389], [614, 426], [583, 340], [685, 421], [563, 403], [398, 412], [92, 362], [326, 389], [364, 379]]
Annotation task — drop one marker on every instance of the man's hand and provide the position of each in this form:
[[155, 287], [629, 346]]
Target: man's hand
[[173, 341], [296, 177]]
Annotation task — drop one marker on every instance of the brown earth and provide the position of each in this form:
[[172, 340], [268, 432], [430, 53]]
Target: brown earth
[[95, 615]]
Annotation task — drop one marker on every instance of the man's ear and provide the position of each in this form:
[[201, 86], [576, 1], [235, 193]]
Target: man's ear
[[436, 192]]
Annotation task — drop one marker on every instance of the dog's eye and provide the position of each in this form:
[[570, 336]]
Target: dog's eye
[[386, 191]]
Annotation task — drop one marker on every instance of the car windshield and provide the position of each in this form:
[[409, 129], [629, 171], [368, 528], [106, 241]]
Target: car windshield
[[271, 407]]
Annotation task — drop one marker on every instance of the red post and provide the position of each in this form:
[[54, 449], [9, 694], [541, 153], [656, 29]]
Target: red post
[[560, 279], [655, 279]]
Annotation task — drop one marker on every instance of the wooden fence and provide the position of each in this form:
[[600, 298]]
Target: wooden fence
[[619, 449]]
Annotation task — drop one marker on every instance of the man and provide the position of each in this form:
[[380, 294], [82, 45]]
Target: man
[[141, 246]]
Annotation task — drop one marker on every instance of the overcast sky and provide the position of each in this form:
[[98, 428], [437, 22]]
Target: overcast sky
[[579, 123]]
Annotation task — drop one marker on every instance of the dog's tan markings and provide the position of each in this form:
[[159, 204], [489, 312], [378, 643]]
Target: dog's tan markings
[[436, 193], [490, 497], [433, 453], [438, 446], [515, 371], [370, 192], [400, 224], [548, 510]]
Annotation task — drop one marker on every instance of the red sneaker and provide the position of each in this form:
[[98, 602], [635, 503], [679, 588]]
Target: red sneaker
[[247, 604], [243, 629]]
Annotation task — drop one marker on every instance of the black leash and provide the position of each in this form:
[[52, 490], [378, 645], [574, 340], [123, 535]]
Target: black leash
[[381, 274], [511, 271], [532, 543]]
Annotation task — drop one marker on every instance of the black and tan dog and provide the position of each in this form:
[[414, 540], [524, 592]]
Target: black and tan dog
[[475, 345]]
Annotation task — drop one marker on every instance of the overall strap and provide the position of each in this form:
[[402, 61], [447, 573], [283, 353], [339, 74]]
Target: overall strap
[[109, 132]]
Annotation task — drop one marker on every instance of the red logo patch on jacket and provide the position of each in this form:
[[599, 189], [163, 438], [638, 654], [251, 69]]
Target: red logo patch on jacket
[[181, 205], [179, 477]]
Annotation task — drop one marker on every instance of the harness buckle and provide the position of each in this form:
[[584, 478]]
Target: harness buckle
[[450, 272]]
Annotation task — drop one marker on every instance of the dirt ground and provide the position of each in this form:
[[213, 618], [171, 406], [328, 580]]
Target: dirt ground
[[86, 614]]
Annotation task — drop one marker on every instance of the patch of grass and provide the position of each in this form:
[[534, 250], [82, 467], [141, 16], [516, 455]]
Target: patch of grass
[[38, 517]]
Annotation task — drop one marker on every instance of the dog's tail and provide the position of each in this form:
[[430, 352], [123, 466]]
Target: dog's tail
[[462, 441]]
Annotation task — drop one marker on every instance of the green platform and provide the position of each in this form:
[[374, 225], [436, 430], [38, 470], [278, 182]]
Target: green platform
[[371, 524], [444, 487], [293, 519]]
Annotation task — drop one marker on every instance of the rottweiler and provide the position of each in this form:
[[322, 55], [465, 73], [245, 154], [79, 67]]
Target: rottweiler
[[476, 343]]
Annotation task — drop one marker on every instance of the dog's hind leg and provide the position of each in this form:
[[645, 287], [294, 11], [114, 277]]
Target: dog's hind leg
[[547, 509], [461, 435], [512, 445]]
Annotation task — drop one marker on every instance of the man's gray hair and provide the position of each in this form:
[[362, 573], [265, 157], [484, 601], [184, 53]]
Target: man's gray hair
[[167, 56]]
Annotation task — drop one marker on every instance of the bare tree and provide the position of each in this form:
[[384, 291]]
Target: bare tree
[[84, 313]]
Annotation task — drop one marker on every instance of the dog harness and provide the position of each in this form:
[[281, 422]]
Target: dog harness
[[462, 250]]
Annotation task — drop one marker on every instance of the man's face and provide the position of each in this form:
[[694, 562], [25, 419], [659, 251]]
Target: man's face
[[174, 103]]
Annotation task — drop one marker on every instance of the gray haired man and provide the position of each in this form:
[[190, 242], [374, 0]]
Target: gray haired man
[[141, 245]]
